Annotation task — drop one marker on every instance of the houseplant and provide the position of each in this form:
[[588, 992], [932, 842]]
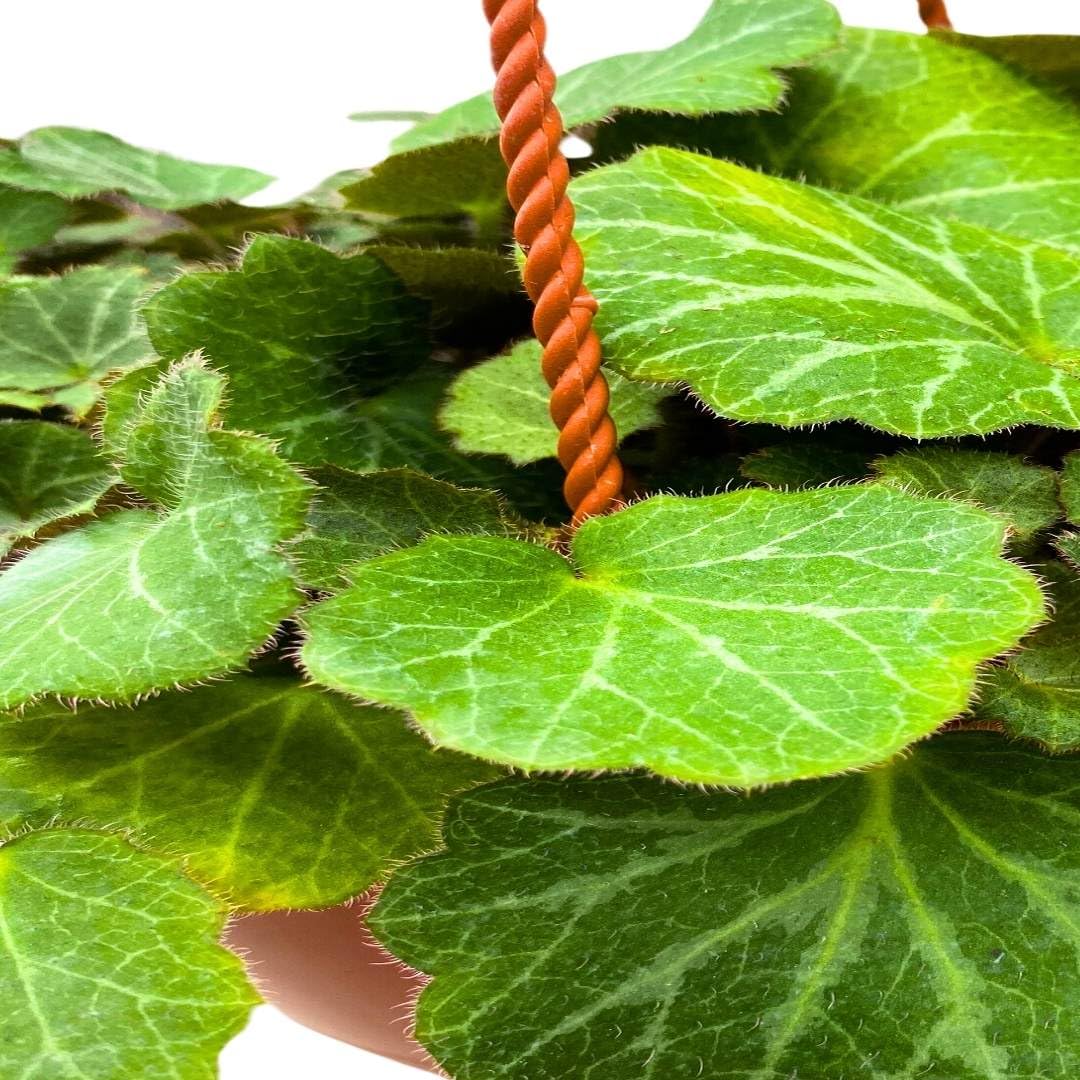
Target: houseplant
[[765, 776]]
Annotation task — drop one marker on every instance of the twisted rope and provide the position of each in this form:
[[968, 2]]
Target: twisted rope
[[532, 130], [934, 15]]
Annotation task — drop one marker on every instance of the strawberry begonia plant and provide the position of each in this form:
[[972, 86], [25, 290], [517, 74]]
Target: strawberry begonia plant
[[765, 775]]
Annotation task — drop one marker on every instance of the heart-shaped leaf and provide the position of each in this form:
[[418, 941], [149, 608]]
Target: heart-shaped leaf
[[109, 964], [792, 305], [139, 600], [914, 920], [275, 795], [738, 639]]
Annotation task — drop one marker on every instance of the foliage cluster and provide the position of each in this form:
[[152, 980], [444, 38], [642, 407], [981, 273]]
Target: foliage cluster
[[766, 775]]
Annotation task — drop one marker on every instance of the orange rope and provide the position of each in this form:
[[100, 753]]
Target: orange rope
[[532, 130], [934, 15]]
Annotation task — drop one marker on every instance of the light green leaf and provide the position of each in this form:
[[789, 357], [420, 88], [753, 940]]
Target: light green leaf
[[275, 795], [27, 218], [927, 127], [110, 965], [357, 516], [75, 162], [804, 464], [501, 407], [1070, 486], [916, 920], [59, 336], [1025, 495], [792, 305], [1035, 694], [728, 64], [739, 639], [50, 472], [139, 600]]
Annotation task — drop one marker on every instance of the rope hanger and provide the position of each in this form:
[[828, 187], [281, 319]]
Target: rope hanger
[[530, 141]]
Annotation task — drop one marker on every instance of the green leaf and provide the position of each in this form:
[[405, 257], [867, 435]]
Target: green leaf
[[739, 639], [804, 464], [501, 407], [303, 335], [50, 472], [1025, 495], [139, 600], [275, 795], [1053, 59], [463, 177], [27, 219], [357, 516], [75, 162], [1070, 486], [728, 64], [59, 336], [922, 125], [914, 920], [110, 965], [1035, 694], [792, 305]]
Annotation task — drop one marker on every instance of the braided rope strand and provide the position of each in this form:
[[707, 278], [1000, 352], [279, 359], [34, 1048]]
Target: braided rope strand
[[934, 15], [532, 131]]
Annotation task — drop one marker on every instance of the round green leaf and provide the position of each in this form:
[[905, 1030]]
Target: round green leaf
[[917, 920], [741, 639]]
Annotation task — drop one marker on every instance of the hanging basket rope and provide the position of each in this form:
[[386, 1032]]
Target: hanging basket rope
[[532, 131]]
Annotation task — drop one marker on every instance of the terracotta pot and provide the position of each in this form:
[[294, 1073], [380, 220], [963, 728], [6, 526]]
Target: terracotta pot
[[324, 969]]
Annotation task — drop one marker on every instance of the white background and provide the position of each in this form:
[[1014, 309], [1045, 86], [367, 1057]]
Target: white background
[[270, 84]]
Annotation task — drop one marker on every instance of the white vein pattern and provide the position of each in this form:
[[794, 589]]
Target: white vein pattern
[[140, 599], [779, 302], [741, 638]]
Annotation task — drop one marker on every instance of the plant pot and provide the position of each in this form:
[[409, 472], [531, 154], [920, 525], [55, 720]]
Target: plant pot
[[326, 971]]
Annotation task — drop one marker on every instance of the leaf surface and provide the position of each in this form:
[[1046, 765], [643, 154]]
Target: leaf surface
[[357, 516], [501, 407], [1025, 495], [804, 464], [50, 472], [75, 162], [727, 64], [27, 218], [139, 600], [109, 964], [926, 127], [1070, 486], [793, 305], [59, 336], [1035, 694], [276, 795], [914, 920], [739, 639]]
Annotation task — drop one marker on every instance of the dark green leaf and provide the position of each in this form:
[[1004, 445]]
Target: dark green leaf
[[275, 795], [916, 920]]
